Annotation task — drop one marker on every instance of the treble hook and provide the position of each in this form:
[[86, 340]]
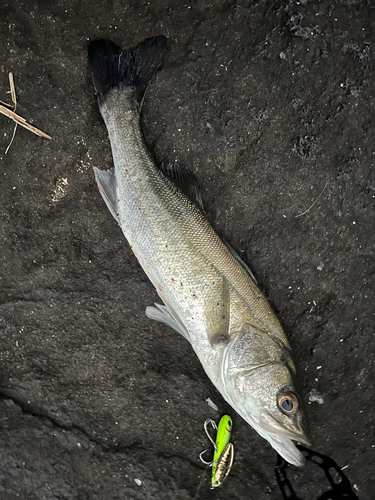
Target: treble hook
[[214, 426]]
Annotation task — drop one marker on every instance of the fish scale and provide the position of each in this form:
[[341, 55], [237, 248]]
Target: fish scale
[[156, 209]]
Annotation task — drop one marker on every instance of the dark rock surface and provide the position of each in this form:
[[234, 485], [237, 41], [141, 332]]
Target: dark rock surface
[[271, 104]]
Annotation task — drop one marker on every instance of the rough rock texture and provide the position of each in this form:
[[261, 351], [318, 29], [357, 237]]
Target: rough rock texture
[[271, 104]]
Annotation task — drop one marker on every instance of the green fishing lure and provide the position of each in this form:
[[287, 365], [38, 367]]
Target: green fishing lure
[[224, 451]]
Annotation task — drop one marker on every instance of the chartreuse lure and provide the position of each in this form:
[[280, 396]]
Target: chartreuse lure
[[224, 452]]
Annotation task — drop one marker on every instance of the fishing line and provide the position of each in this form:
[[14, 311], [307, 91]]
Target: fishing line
[[310, 207], [201, 482]]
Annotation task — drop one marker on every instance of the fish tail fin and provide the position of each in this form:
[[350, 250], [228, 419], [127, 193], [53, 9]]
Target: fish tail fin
[[134, 68]]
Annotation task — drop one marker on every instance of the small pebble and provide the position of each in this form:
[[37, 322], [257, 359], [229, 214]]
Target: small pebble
[[315, 397], [211, 404]]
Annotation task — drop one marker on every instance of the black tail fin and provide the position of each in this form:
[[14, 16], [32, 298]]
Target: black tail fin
[[113, 68]]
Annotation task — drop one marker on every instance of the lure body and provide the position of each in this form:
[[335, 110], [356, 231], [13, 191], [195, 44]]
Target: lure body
[[222, 439]]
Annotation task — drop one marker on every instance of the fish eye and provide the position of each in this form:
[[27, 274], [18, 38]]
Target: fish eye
[[288, 403]]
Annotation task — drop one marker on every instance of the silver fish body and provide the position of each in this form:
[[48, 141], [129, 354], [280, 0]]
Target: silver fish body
[[208, 294]]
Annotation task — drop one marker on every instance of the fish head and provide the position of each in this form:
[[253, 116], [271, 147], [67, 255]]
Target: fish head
[[258, 378]]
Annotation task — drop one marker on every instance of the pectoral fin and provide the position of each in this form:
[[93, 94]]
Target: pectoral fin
[[218, 312], [163, 314]]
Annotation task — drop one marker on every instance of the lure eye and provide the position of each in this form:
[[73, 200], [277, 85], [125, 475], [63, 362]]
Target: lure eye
[[288, 403], [229, 423]]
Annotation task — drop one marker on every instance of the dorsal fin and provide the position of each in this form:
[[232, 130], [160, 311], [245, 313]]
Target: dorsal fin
[[243, 264], [185, 180]]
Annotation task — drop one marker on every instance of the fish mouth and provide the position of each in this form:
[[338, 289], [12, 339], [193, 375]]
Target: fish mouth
[[284, 440]]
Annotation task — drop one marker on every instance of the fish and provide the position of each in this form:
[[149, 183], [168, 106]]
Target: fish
[[208, 293]]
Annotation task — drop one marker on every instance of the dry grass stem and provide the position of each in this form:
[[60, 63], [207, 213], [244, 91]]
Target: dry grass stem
[[21, 121], [12, 139], [12, 90], [16, 118], [7, 104], [14, 99]]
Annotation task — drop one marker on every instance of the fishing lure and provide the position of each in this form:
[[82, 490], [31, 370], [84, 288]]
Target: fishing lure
[[224, 450], [223, 466]]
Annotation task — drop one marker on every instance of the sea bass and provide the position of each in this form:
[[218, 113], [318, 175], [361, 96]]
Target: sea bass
[[209, 295]]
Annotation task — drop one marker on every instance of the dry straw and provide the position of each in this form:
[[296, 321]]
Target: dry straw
[[16, 118]]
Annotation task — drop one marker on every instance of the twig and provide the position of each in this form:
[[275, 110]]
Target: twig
[[6, 104], [21, 121], [16, 118], [12, 90], [14, 99], [12, 139], [310, 207]]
